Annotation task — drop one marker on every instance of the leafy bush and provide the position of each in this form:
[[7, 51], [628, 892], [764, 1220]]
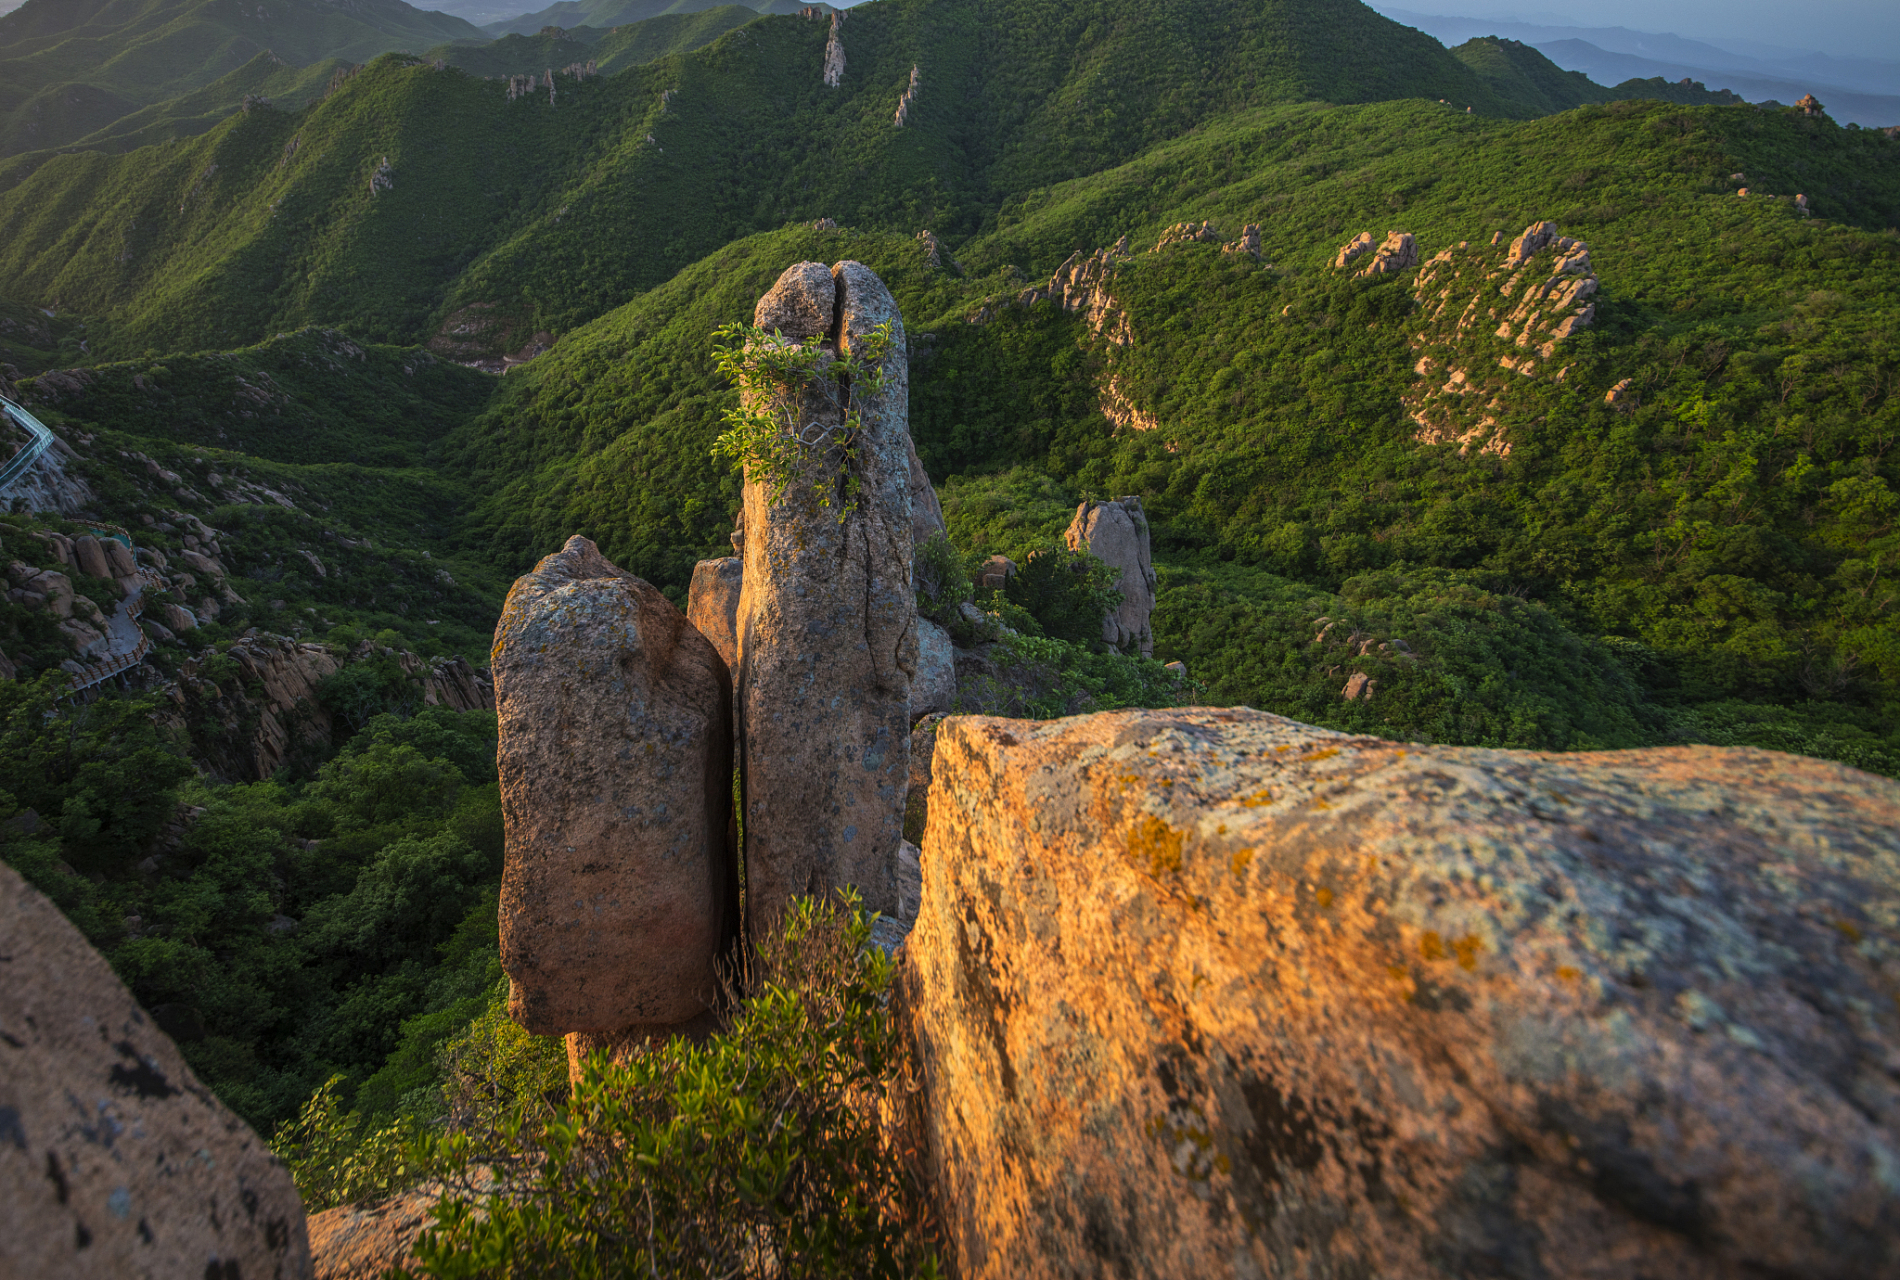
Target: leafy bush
[[1067, 592], [941, 581], [760, 1152]]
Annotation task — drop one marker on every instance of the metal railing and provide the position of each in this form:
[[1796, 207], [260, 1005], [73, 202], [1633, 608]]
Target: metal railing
[[22, 462], [96, 674]]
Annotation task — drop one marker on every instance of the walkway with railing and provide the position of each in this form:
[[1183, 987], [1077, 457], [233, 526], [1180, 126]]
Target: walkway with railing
[[22, 462], [123, 625]]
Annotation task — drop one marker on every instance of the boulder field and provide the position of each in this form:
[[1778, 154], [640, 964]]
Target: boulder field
[[1214, 993]]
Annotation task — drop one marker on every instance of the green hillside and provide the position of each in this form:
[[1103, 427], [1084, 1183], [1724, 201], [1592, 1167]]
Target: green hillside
[[71, 69], [508, 217], [1521, 73], [1703, 564], [609, 50], [604, 14]]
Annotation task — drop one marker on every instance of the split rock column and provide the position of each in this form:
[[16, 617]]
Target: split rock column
[[619, 892], [827, 625]]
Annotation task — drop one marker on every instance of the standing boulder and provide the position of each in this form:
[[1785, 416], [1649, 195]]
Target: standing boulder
[[827, 623], [91, 556], [1117, 532], [1211, 993], [926, 513], [935, 688], [114, 1160], [712, 604], [618, 893]]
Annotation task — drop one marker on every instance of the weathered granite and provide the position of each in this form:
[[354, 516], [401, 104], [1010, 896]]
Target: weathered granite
[[1212, 993], [114, 1160], [618, 892], [827, 633]]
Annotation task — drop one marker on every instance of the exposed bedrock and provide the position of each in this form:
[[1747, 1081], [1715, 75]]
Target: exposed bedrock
[[1212, 993], [619, 892], [114, 1160], [1117, 533], [827, 623]]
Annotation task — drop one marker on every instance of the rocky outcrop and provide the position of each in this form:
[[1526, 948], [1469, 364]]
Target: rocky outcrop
[[619, 893], [834, 52], [90, 557], [1213, 993], [114, 1160], [926, 512], [1117, 533], [363, 1241], [909, 96], [1397, 252], [934, 690], [712, 604], [1487, 316], [1188, 233], [247, 725], [827, 623]]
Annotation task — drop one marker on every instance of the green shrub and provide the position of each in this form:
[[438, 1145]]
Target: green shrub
[[941, 581], [338, 1156], [760, 1152], [1066, 592]]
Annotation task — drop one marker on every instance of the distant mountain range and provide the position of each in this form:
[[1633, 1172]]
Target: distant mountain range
[[1862, 91], [73, 70], [604, 14]]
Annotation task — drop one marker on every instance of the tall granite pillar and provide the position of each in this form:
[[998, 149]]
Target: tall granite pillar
[[619, 890], [827, 623]]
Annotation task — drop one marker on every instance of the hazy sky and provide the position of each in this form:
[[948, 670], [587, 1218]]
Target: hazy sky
[[1844, 28]]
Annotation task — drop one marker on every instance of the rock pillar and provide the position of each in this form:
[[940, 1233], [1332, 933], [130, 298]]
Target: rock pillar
[[1117, 532], [712, 604], [618, 893], [827, 624]]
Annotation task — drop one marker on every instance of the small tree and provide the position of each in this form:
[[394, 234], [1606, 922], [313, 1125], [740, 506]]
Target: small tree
[[776, 431]]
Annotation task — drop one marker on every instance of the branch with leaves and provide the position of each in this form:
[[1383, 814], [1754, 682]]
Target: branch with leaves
[[770, 434]]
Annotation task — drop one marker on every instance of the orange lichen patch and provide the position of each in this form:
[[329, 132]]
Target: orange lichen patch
[[1848, 930], [1323, 896], [1468, 948], [1568, 973], [1243, 858], [1156, 845], [1257, 799], [1325, 753], [1319, 802], [1397, 972], [1432, 947]]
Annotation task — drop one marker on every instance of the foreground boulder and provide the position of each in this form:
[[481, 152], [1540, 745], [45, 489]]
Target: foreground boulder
[[618, 891], [114, 1160], [1117, 533], [827, 624], [1212, 993]]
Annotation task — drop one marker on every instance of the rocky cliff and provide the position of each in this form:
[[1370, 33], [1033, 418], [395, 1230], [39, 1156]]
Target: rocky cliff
[[1213, 993]]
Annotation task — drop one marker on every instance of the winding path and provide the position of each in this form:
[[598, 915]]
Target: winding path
[[22, 462], [128, 642]]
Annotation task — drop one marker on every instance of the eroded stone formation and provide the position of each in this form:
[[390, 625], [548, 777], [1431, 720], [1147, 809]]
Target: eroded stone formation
[[827, 623], [1213, 993], [1117, 532], [619, 892], [1487, 316], [114, 1160]]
